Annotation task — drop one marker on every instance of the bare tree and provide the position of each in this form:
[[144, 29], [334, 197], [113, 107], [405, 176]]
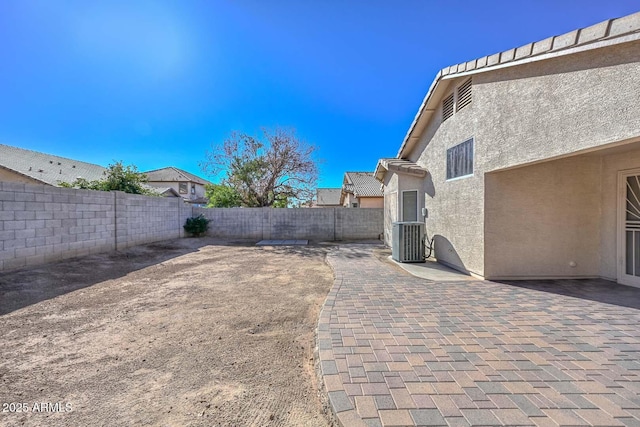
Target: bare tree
[[275, 169]]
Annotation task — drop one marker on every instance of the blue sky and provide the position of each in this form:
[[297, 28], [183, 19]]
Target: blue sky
[[155, 83]]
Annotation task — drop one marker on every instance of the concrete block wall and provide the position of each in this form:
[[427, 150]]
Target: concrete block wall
[[313, 224], [40, 223], [143, 219], [357, 224], [244, 223]]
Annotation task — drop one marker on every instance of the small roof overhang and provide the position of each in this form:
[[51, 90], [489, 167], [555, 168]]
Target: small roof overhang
[[400, 166]]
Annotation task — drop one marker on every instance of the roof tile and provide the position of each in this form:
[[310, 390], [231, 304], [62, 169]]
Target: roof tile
[[524, 51], [493, 59], [48, 168], [565, 40], [542, 46], [594, 32], [507, 56], [362, 184], [173, 174], [626, 24], [328, 196]]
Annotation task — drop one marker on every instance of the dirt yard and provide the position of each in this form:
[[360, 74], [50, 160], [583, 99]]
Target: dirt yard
[[183, 333]]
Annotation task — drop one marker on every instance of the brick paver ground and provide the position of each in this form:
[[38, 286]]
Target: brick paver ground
[[396, 350]]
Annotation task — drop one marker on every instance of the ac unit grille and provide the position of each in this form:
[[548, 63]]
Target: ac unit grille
[[408, 242]]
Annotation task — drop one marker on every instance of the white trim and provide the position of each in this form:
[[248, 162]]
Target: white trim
[[458, 177], [622, 276], [401, 217]]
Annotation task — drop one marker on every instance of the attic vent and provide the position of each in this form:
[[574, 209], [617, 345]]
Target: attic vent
[[447, 107], [464, 95]]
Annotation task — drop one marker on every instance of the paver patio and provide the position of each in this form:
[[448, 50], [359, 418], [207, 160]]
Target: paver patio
[[397, 350]]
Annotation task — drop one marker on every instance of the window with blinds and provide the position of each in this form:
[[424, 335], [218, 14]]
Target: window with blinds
[[460, 160]]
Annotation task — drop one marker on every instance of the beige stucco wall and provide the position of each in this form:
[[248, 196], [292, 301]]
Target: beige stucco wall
[[10, 176], [564, 210], [552, 108], [371, 202], [521, 115], [544, 220]]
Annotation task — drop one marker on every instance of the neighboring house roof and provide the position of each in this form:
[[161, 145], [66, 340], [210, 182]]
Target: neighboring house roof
[[173, 174], [47, 168], [361, 184], [400, 166], [606, 33], [328, 196], [164, 191]]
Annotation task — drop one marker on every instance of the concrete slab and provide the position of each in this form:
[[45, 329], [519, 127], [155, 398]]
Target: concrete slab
[[432, 270], [282, 243]]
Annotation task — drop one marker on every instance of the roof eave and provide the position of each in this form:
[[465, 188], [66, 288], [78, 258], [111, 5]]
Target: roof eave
[[419, 115], [602, 34]]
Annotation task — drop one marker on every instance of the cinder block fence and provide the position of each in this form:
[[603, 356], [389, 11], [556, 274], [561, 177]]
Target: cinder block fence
[[312, 224], [40, 224]]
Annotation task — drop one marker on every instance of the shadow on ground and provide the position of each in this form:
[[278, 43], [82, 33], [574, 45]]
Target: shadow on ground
[[354, 249], [599, 290], [21, 288]]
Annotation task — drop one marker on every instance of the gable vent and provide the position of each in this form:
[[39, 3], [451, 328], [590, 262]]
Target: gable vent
[[447, 107], [464, 95]]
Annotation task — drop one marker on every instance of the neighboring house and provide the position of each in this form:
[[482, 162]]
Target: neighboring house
[[189, 186], [327, 198], [33, 167], [527, 162], [361, 190]]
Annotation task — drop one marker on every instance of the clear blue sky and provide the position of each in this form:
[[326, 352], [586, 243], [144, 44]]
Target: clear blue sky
[[154, 83]]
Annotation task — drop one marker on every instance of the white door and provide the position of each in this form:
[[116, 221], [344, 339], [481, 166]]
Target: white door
[[629, 228]]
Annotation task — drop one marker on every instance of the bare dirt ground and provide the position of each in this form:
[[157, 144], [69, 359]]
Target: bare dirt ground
[[185, 332]]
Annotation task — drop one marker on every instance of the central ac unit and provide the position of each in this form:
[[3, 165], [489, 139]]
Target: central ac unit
[[407, 241]]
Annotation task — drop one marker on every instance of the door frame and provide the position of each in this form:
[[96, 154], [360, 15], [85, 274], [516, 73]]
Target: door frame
[[622, 276]]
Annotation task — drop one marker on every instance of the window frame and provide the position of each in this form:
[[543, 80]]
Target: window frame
[[451, 176]]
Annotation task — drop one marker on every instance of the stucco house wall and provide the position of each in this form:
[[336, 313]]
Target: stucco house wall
[[522, 115], [10, 176], [371, 202], [544, 220]]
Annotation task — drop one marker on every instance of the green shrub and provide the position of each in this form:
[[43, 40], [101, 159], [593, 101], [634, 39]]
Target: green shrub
[[196, 225]]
